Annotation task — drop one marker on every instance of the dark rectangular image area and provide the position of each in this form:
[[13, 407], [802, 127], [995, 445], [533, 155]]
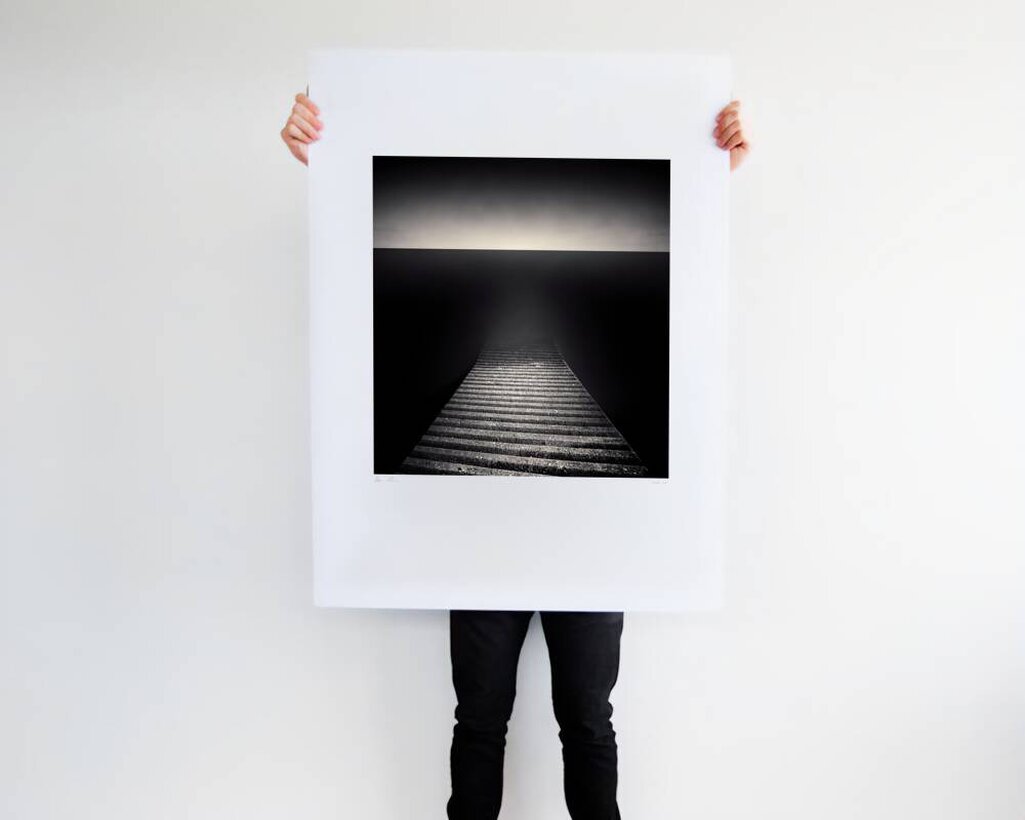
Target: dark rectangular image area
[[521, 316]]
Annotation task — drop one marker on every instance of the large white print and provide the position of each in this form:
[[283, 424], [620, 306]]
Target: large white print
[[518, 325]]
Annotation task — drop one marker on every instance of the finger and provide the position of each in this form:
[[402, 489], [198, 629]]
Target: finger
[[302, 99], [300, 152], [296, 133], [726, 109], [296, 146], [735, 141], [304, 126], [727, 132], [307, 115], [724, 124], [732, 116]]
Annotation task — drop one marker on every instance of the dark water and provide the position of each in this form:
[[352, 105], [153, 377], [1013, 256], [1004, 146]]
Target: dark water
[[435, 309]]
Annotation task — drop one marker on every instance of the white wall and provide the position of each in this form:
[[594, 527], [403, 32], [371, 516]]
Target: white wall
[[160, 654]]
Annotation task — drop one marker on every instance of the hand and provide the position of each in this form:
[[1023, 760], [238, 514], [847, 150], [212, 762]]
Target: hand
[[730, 135], [302, 127]]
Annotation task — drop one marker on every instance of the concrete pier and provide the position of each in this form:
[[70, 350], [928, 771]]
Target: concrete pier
[[522, 411]]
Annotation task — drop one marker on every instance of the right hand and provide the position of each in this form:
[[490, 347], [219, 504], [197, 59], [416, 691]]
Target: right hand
[[302, 127], [731, 135]]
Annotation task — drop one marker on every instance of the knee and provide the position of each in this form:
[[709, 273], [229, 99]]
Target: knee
[[584, 717], [483, 716], [481, 728]]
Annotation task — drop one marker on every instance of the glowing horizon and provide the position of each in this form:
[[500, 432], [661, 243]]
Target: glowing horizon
[[456, 203]]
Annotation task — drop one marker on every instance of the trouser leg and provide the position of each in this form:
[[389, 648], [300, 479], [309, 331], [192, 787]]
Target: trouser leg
[[485, 650], [584, 652]]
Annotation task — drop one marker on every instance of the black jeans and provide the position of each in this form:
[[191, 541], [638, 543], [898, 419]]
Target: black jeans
[[584, 651]]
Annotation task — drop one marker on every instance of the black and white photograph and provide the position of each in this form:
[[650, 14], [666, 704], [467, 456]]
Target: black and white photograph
[[521, 316]]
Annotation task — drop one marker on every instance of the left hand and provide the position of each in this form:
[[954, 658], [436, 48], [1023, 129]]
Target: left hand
[[730, 135], [302, 127]]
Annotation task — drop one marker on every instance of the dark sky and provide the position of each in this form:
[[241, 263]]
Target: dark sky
[[521, 204]]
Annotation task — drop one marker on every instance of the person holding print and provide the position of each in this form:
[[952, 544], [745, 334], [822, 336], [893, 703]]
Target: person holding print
[[485, 645]]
